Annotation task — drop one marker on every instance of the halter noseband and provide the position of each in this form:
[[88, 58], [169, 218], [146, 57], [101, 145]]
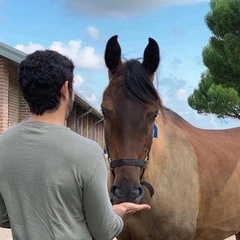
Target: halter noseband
[[133, 162], [128, 162]]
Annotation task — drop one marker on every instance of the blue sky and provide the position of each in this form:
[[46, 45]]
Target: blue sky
[[80, 30]]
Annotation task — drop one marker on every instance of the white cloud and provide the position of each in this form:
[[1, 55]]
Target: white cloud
[[92, 98], [89, 95], [83, 57], [182, 95], [121, 8], [92, 32], [78, 81], [86, 91], [31, 47]]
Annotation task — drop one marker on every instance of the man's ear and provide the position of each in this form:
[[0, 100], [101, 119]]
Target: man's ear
[[64, 90]]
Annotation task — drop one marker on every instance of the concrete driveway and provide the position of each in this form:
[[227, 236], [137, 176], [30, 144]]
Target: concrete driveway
[[5, 234]]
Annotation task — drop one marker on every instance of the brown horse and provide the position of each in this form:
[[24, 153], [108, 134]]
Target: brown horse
[[195, 173]]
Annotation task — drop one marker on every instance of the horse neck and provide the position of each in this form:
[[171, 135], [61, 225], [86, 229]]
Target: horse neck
[[171, 142]]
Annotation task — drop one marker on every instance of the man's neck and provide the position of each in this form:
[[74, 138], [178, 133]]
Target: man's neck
[[52, 118]]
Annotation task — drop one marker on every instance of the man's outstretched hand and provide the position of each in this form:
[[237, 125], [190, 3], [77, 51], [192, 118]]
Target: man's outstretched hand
[[129, 208]]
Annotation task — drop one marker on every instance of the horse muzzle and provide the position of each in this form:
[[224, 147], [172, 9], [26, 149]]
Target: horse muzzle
[[119, 194], [127, 192]]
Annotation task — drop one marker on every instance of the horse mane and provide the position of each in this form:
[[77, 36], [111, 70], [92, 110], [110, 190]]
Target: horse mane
[[137, 83]]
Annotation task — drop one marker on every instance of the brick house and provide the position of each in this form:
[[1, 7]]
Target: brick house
[[84, 119]]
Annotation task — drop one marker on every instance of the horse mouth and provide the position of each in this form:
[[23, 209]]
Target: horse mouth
[[114, 200]]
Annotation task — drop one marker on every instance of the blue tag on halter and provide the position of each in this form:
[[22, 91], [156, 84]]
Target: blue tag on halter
[[155, 131]]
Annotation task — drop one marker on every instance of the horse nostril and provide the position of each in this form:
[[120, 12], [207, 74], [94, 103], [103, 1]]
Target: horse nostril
[[126, 192], [140, 189], [119, 193], [113, 189]]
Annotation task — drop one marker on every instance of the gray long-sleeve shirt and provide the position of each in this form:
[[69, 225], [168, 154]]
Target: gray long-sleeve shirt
[[53, 185]]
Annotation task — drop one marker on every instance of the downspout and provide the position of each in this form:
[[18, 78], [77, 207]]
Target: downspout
[[94, 128]]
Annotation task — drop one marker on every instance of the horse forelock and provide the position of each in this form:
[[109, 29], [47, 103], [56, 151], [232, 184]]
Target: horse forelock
[[137, 83]]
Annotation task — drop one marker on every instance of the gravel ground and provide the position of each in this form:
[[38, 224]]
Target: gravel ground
[[5, 234]]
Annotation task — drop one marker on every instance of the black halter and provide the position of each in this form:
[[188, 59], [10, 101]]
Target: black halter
[[128, 162], [133, 162]]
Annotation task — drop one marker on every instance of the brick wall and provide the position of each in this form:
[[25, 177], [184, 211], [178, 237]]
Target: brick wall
[[4, 83], [23, 112], [13, 95], [13, 107]]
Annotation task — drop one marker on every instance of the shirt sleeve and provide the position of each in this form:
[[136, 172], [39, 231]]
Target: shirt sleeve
[[4, 220], [102, 222]]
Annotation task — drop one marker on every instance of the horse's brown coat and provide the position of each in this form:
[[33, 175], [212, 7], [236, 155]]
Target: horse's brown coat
[[218, 156], [195, 172]]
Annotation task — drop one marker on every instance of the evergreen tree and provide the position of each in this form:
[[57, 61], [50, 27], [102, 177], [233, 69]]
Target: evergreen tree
[[219, 89]]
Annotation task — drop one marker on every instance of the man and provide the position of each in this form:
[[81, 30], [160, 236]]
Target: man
[[53, 182]]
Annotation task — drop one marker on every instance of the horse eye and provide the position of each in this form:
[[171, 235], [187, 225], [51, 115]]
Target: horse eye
[[103, 111], [155, 114]]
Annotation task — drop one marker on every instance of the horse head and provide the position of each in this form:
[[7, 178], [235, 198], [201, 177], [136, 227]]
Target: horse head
[[130, 105]]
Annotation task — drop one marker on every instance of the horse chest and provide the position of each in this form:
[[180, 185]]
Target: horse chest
[[146, 228]]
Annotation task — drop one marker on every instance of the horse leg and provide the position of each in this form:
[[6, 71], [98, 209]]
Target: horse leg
[[237, 236]]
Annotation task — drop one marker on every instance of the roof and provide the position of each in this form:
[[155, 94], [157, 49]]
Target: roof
[[11, 53], [87, 105], [17, 56]]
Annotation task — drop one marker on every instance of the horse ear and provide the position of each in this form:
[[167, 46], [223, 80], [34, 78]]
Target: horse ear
[[112, 53], [151, 56]]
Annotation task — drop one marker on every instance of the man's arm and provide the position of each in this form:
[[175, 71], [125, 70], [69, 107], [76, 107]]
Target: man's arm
[[4, 220], [102, 222]]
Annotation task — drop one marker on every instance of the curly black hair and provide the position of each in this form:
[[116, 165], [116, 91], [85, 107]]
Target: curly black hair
[[41, 76]]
